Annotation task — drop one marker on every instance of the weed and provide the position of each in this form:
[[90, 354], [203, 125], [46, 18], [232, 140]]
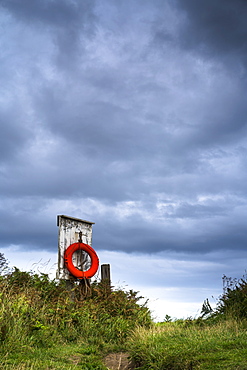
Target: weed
[[221, 346], [41, 327], [37, 317]]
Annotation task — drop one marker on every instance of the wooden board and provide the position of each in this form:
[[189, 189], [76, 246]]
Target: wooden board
[[72, 230]]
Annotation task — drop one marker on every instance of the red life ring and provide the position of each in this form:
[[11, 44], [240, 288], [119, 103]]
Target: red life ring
[[75, 271]]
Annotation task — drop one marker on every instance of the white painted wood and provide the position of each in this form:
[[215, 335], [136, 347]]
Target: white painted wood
[[69, 233]]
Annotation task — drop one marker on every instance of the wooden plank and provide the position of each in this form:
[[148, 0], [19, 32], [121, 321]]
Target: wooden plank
[[72, 230], [73, 218]]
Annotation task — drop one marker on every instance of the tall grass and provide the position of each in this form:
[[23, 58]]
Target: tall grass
[[38, 318], [216, 340], [191, 345], [45, 326]]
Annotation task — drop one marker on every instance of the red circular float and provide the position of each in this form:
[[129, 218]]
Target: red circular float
[[68, 254]]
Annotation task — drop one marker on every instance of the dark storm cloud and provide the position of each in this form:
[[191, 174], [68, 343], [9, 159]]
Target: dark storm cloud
[[67, 22], [64, 14], [148, 237], [217, 27], [128, 114], [10, 136], [22, 217], [28, 222]]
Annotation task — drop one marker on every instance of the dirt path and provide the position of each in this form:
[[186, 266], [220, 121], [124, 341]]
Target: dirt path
[[118, 361]]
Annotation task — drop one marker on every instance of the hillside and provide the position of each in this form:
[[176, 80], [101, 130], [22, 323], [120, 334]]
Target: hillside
[[45, 326]]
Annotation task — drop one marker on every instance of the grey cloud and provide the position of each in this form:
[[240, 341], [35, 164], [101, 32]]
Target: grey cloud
[[64, 13], [22, 217], [66, 23], [191, 228], [217, 27], [105, 112], [10, 136]]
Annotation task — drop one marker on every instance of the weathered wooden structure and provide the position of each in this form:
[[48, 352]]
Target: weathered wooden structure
[[71, 230]]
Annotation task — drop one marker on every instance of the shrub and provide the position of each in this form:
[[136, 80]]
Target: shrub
[[37, 311], [3, 263], [233, 302]]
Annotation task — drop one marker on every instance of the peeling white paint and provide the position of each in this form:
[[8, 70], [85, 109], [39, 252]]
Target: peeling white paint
[[69, 233]]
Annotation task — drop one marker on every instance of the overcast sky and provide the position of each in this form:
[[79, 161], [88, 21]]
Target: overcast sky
[[131, 114]]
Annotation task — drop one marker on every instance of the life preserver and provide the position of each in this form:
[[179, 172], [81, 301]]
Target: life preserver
[[68, 254]]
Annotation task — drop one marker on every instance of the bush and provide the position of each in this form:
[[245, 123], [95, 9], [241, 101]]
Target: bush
[[3, 263], [233, 302], [37, 311]]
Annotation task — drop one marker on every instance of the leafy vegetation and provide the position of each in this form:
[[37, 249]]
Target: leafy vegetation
[[190, 345], [215, 340], [3, 263], [44, 325], [233, 302]]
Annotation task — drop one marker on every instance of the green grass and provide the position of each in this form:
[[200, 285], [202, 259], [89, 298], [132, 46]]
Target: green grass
[[42, 327], [66, 356], [46, 327], [191, 345]]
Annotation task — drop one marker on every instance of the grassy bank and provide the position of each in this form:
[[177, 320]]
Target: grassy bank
[[41, 327], [45, 326], [191, 345], [216, 340]]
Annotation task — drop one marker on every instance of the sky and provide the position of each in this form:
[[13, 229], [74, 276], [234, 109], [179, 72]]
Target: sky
[[132, 115]]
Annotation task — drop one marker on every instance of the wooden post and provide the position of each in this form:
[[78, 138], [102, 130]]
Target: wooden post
[[106, 278], [105, 273]]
